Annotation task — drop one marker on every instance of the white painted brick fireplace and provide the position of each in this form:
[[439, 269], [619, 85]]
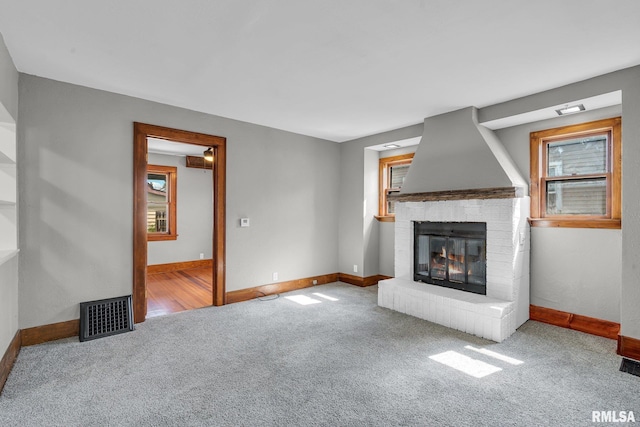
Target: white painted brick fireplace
[[505, 307]]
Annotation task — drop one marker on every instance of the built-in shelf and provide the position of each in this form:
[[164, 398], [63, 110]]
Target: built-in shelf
[[8, 192], [6, 160]]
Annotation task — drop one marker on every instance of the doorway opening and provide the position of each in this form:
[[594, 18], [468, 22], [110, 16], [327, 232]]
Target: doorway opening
[[179, 227], [155, 222]]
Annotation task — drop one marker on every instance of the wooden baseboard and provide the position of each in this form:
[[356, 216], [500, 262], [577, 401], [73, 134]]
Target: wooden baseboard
[[52, 332], [9, 358], [589, 325], [629, 347], [350, 279], [361, 281], [276, 288], [373, 280], [177, 266]]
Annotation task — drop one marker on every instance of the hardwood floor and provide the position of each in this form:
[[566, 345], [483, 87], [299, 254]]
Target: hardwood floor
[[178, 291]]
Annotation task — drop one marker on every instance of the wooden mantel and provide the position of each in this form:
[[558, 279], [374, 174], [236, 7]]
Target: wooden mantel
[[477, 193]]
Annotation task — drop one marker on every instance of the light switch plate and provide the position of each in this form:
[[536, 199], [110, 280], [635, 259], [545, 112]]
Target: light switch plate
[[244, 222]]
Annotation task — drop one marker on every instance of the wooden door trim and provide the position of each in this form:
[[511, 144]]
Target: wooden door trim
[[141, 132]]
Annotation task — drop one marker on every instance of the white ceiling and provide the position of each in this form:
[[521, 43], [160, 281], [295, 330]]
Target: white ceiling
[[333, 69]]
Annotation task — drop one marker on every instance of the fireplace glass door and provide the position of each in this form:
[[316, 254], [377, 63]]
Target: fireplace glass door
[[451, 255], [438, 257], [476, 262]]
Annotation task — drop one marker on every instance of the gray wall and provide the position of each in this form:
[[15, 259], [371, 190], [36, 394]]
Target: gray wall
[[572, 269], [9, 269], [356, 216], [74, 249], [386, 230], [351, 220], [370, 209], [8, 302], [76, 190], [194, 215], [628, 81], [560, 278]]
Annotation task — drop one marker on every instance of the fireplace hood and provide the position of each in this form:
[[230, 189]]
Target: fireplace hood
[[456, 153]]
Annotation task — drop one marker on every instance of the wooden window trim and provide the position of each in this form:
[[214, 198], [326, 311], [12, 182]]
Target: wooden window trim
[[172, 174], [538, 143], [383, 178]]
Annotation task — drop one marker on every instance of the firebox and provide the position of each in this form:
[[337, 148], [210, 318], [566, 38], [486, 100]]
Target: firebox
[[451, 254]]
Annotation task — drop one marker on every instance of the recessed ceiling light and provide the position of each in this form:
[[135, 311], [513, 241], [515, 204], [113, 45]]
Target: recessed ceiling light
[[391, 146], [570, 109]]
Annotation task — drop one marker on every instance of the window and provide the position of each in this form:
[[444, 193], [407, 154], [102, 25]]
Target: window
[[392, 172], [576, 175], [161, 202]]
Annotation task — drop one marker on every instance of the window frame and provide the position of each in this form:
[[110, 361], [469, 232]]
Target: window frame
[[172, 181], [384, 170], [538, 145]]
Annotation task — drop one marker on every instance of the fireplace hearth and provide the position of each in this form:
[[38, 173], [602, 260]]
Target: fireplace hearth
[[451, 254]]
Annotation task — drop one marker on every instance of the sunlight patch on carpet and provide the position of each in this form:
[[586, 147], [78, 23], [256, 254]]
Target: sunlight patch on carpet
[[473, 367], [303, 299], [327, 297], [495, 355]]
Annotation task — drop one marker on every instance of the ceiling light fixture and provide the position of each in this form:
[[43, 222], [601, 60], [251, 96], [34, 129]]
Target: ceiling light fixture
[[570, 110], [391, 146], [208, 154]]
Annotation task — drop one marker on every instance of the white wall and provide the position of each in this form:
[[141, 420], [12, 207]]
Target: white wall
[[9, 269], [194, 215], [76, 191]]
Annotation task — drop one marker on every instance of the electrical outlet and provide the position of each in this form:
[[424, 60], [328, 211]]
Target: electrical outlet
[[275, 276], [201, 255], [315, 282], [355, 268]]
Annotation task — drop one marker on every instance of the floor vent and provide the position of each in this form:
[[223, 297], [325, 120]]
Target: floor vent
[[630, 366], [105, 317]]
